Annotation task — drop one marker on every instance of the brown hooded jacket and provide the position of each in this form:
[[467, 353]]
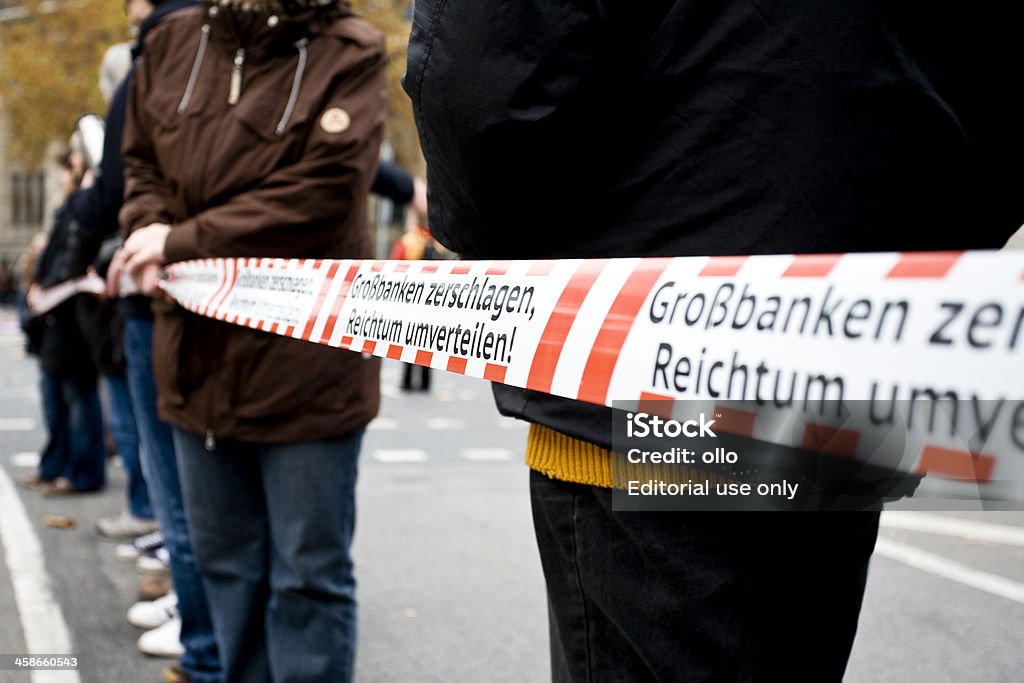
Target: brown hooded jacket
[[256, 134]]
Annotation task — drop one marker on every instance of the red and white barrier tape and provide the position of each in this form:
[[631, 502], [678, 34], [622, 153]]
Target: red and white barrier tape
[[48, 299], [864, 328]]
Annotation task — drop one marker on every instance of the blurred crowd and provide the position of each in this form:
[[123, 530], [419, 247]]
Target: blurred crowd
[[100, 394]]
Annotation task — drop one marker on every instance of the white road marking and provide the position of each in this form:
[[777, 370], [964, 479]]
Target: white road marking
[[446, 423], [17, 424], [383, 424], [393, 456], [42, 620], [486, 454], [1003, 534], [26, 459], [948, 569]]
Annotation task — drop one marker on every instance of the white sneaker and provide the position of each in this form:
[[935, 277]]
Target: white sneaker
[[125, 526], [150, 614], [143, 545], [157, 564], [163, 641]]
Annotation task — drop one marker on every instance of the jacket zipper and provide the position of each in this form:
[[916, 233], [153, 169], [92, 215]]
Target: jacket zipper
[[300, 70], [197, 63], [235, 92]]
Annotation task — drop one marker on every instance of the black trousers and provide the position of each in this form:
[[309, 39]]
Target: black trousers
[[706, 596]]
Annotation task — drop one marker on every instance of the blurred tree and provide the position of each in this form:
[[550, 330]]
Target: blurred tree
[[393, 19], [50, 57], [50, 54]]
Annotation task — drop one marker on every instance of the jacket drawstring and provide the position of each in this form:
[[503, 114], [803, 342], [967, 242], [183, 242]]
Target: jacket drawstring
[[196, 64], [300, 69], [235, 89]]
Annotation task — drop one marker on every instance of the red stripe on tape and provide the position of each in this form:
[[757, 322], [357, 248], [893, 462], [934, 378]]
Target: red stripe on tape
[[429, 268], [273, 328], [457, 365], [597, 374], [369, 346], [377, 266], [320, 298], [339, 301], [723, 266], [925, 264], [289, 331], [345, 343], [395, 352], [832, 440], [952, 464], [734, 421], [495, 373], [497, 268], [401, 267], [812, 265], [205, 310], [655, 404], [541, 268], [424, 358], [552, 339], [460, 270]]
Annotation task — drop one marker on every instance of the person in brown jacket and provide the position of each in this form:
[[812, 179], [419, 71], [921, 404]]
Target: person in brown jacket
[[260, 141]]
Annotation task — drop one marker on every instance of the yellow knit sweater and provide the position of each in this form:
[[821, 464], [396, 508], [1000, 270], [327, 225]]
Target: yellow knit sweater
[[567, 459]]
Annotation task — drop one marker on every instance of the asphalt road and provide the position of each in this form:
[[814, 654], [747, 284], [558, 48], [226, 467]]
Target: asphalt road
[[449, 581]]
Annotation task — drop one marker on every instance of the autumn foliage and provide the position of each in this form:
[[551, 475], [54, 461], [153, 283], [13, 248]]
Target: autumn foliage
[[49, 68], [50, 59]]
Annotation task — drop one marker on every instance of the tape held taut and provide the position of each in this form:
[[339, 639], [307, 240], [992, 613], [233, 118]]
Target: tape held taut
[[51, 297], [816, 329]]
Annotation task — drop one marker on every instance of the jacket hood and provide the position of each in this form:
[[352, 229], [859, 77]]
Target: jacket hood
[[159, 12]]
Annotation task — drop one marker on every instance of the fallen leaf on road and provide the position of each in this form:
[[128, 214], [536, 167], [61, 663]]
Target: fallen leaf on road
[[59, 521]]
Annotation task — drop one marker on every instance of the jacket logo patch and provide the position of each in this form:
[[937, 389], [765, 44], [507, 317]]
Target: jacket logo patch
[[335, 120]]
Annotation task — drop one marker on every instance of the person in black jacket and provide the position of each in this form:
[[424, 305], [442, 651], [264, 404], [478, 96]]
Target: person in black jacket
[[74, 458], [668, 128], [102, 319], [191, 634]]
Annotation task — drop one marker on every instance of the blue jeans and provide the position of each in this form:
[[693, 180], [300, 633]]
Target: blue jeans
[[121, 418], [272, 526], [74, 421], [160, 466]]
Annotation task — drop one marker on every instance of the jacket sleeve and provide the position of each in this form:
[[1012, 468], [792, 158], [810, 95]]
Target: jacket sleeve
[[145, 190], [393, 182], [297, 210]]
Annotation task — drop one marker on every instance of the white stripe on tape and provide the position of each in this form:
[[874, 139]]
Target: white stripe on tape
[[877, 329], [50, 298]]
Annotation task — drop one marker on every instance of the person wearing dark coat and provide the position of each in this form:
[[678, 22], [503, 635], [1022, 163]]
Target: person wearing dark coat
[[572, 129], [75, 455]]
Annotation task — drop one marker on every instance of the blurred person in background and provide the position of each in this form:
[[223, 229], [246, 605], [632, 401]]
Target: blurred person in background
[[74, 457], [188, 631]]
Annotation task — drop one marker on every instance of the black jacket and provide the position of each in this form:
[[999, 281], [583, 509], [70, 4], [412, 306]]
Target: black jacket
[[61, 345], [588, 129]]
